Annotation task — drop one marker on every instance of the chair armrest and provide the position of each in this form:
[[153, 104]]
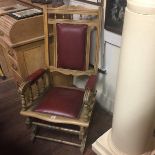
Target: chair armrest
[[90, 89], [89, 96], [35, 75], [91, 83], [31, 89], [31, 79]]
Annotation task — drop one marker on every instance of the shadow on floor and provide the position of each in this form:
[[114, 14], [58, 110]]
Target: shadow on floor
[[15, 137]]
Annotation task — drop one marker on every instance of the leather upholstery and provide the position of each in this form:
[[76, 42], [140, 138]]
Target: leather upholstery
[[35, 75], [62, 101], [71, 44], [91, 83]]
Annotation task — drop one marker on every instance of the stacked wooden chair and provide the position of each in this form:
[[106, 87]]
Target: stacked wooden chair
[[49, 97]]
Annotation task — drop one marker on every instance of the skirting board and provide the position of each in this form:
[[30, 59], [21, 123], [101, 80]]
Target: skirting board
[[105, 146]]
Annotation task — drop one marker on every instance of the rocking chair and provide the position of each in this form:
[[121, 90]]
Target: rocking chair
[[49, 99]]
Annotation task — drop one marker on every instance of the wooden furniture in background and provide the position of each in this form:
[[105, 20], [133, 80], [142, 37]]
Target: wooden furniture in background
[[21, 43], [33, 4], [4, 62], [58, 106], [7, 6]]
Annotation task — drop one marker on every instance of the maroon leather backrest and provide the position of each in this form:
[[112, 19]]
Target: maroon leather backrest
[[71, 46]]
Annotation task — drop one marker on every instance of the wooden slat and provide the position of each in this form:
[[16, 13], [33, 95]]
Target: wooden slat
[[88, 22], [6, 23], [72, 72], [58, 140], [73, 10], [67, 130], [92, 2], [97, 50], [46, 36], [33, 4], [55, 45]]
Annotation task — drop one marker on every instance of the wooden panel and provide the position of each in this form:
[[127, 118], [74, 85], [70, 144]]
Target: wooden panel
[[14, 65], [12, 53], [34, 57], [33, 4], [18, 79], [51, 52], [26, 29], [30, 57], [61, 79], [4, 62]]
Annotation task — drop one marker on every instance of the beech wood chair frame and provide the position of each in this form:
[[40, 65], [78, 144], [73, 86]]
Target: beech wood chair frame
[[33, 90]]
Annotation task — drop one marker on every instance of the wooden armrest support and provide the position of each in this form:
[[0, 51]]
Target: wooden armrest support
[[33, 87], [91, 83], [89, 94], [22, 88], [90, 89], [88, 100]]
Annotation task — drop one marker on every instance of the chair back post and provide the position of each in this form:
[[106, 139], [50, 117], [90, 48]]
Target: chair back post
[[46, 34]]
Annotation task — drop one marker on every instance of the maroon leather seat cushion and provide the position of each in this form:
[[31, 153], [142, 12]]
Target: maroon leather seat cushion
[[62, 101], [71, 46]]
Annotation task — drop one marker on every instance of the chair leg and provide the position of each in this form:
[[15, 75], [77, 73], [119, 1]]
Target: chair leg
[[83, 137], [28, 122], [35, 130], [81, 133], [83, 143]]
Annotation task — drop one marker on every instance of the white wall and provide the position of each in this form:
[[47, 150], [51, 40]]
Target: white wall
[[110, 53], [106, 86], [109, 60], [107, 82]]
